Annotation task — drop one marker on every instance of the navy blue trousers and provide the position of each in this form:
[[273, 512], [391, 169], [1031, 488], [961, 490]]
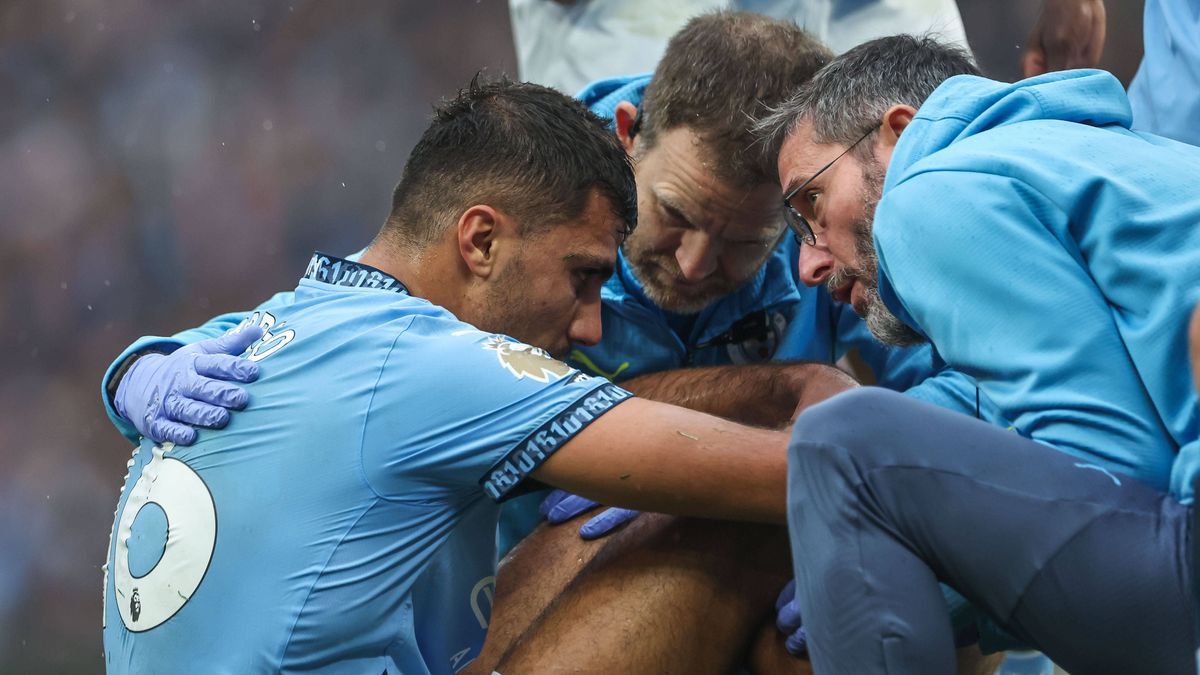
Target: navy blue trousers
[[887, 496]]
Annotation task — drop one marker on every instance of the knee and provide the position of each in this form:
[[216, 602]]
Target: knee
[[862, 416]]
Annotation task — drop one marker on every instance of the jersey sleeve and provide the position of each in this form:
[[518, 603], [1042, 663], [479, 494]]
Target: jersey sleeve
[[981, 272], [214, 327], [465, 410]]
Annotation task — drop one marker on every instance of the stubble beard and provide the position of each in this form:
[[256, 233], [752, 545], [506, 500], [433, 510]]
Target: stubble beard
[[879, 319], [655, 271], [508, 309]]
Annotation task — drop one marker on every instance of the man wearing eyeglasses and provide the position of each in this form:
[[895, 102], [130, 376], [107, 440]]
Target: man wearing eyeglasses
[[1045, 248]]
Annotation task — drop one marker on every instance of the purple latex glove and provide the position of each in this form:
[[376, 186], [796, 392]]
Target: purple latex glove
[[166, 395], [560, 506], [787, 620]]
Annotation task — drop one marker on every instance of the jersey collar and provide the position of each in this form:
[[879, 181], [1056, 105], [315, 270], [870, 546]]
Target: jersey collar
[[330, 269]]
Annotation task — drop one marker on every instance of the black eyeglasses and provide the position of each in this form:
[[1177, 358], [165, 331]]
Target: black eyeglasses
[[800, 226]]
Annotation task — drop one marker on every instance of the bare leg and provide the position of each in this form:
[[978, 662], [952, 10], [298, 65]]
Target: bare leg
[[769, 657], [666, 595], [528, 583], [529, 579]]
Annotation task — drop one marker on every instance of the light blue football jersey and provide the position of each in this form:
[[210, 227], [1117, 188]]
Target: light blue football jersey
[[345, 522]]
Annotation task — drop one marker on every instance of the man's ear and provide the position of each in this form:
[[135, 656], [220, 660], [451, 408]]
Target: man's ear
[[625, 116], [894, 122], [479, 230]]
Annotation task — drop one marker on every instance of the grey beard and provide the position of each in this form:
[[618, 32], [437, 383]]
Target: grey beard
[[880, 321], [885, 326]]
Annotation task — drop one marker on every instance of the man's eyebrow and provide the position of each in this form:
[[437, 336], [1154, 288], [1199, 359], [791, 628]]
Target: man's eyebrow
[[798, 181], [809, 173], [673, 206]]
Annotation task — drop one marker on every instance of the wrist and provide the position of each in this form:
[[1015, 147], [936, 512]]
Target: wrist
[[119, 376]]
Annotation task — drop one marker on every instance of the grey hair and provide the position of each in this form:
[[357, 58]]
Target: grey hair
[[853, 91]]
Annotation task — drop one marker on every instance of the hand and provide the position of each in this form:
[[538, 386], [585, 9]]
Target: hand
[[164, 396], [560, 506], [787, 620], [1068, 34]]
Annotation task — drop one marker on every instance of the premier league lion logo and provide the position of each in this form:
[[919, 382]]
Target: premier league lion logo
[[524, 361]]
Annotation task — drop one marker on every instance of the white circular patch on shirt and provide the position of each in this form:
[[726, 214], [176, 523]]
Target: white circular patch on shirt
[[147, 601]]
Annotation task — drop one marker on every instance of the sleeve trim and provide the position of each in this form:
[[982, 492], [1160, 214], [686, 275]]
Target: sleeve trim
[[525, 457]]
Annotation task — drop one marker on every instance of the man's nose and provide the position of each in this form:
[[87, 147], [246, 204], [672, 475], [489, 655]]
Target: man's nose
[[816, 264], [697, 256], [586, 328]]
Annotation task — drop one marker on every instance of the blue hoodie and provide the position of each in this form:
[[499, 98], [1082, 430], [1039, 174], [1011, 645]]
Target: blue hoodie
[[1054, 255]]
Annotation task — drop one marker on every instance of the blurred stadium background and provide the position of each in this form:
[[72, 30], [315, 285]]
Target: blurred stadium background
[[162, 162]]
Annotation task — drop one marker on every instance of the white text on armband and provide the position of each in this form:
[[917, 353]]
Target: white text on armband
[[539, 445]]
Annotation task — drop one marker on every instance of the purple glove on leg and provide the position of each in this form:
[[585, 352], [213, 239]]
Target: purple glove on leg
[[787, 620], [560, 506], [166, 395]]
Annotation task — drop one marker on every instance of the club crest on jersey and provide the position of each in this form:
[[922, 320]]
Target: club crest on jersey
[[524, 361]]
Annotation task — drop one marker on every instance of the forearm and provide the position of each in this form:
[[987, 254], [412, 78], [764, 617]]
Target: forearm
[[654, 457], [763, 395]]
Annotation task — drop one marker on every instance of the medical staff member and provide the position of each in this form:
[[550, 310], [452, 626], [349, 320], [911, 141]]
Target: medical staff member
[[1045, 249]]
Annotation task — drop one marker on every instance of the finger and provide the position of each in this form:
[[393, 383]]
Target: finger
[[226, 367], [788, 619], [195, 413], [606, 522], [569, 507], [551, 500], [233, 341], [786, 595], [797, 643], [162, 430], [214, 392]]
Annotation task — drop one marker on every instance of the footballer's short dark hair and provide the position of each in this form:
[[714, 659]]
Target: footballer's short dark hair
[[522, 148]]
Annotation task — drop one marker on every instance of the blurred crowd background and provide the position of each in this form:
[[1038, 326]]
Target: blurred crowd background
[[162, 162]]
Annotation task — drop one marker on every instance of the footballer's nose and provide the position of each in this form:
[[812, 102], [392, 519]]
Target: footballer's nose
[[697, 256], [586, 328], [816, 263]]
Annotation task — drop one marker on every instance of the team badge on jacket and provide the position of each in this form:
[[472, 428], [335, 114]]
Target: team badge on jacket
[[755, 338]]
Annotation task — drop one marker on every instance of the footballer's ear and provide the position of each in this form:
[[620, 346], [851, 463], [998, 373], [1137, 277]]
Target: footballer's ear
[[484, 233]]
